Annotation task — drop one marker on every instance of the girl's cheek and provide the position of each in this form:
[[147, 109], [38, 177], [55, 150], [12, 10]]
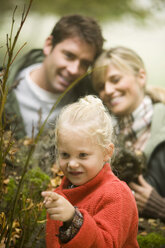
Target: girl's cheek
[[62, 164]]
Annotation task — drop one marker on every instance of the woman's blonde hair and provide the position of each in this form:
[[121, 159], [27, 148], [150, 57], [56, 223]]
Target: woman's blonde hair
[[123, 58], [87, 115]]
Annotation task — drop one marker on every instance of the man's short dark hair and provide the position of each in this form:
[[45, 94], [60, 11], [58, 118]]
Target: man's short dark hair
[[78, 26]]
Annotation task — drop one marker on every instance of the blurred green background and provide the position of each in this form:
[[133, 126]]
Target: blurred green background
[[138, 24]]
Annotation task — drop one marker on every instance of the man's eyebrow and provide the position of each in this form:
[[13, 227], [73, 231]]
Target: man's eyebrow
[[88, 61], [67, 51]]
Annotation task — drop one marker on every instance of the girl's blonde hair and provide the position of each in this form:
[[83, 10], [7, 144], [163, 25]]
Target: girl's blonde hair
[[87, 115], [123, 58]]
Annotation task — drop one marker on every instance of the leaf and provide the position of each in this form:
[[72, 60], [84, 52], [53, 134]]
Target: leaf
[[2, 220], [55, 182], [6, 181]]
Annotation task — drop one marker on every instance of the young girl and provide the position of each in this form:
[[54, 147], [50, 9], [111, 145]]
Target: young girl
[[92, 207]]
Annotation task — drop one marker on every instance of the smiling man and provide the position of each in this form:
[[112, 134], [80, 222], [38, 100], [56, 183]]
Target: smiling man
[[43, 75]]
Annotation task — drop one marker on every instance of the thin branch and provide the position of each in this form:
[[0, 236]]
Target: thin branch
[[18, 53], [10, 48], [12, 27]]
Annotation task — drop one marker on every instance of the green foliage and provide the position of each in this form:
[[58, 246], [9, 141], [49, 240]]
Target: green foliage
[[152, 240], [11, 189], [100, 9], [21, 210], [35, 182], [29, 216], [105, 9]]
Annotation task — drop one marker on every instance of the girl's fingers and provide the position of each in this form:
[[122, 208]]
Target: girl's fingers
[[49, 196], [47, 200]]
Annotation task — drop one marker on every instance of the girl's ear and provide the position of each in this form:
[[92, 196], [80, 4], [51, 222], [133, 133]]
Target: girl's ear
[[109, 152], [48, 45]]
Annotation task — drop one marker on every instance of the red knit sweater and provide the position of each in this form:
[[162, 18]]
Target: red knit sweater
[[109, 212]]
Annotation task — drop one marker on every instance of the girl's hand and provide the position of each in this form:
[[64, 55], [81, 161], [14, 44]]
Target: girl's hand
[[58, 207], [142, 192]]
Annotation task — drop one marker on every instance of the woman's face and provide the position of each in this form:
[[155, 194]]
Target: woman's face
[[122, 92]]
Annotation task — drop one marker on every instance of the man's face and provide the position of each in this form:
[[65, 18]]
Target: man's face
[[66, 62]]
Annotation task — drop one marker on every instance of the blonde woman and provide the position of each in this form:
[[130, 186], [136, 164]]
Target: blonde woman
[[120, 79], [92, 207]]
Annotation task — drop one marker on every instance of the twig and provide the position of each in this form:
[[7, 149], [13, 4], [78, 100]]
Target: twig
[[18, 53], [10, 48]]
